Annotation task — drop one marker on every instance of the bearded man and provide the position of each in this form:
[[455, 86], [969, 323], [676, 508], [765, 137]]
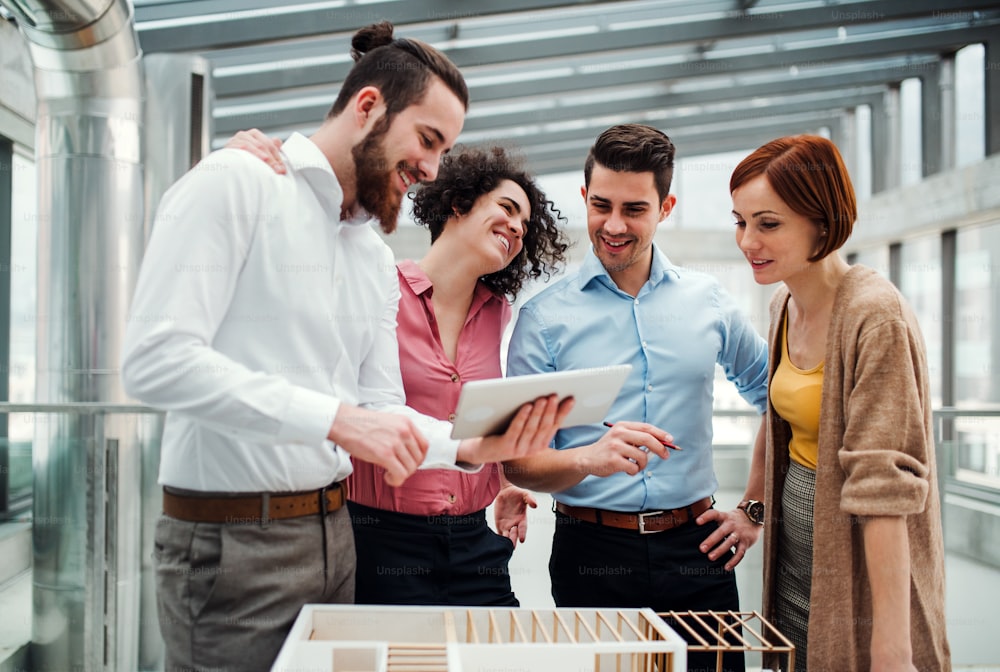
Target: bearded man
[[263, 322]]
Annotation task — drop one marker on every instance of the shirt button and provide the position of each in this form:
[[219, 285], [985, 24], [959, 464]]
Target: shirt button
[[649, 388], [451, 417], [644, 345], [452, 498], [454, 377], [649, 475], [636, 301]]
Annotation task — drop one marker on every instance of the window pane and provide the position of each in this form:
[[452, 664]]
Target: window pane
[[911, 149], [970, 104], [920, 283], [20, 426], [877, 258], [977, 352]]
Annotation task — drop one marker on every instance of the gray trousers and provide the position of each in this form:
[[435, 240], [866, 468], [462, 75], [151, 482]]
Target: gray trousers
[[227, 594]]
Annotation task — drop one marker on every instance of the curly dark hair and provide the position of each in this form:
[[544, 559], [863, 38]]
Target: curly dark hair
[[469, 172]]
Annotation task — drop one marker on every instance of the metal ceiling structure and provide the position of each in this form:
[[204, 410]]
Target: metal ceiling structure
[[549, 75]]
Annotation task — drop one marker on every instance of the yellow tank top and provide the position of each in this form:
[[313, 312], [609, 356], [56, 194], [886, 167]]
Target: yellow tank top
[[796, 395]]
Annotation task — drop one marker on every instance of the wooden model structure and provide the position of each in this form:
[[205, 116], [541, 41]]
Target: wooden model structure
[[731, 631], [361, 638]]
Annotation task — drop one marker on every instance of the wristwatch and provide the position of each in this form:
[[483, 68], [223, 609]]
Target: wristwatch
[[754, 510]]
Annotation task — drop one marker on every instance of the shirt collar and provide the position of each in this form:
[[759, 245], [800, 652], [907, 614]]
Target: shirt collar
[[420, 284], [414, 276], [592, 269], [303, 156]]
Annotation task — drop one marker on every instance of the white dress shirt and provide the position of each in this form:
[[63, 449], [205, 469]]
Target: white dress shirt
[[257, 312]]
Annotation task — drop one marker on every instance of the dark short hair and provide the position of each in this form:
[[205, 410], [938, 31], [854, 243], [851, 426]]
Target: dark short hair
[[808, 174], [470, 172], [400, 68], [634, 148]]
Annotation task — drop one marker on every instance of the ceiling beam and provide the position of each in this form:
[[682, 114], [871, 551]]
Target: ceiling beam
[[568, 154], [220, 23], [804, 59], [730, 118], [560, 76], [689, 144], [669, 102], [273, 110], [554, 141], [825, 55]]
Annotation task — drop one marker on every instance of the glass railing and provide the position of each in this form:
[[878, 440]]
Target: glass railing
[[968, 445], [16, 471], [111, 452], [79, 505], [15, 478], [968, 442]]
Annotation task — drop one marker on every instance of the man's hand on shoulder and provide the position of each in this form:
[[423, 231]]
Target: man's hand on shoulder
[[391, 441]]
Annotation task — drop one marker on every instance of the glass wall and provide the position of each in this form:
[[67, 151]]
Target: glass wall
[[970, 104], [920, 283], [877, 258], [977, 352], [21, 373]]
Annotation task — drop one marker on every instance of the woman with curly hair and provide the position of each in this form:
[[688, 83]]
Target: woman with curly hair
[[427, 541], [492, 229]]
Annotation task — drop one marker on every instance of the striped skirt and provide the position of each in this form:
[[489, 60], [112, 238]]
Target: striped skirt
[[795, 544]]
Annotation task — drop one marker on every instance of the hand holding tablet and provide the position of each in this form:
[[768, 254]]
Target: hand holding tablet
[[486, 407]]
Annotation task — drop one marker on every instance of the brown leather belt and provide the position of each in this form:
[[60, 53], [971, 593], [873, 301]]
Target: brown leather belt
[[256, 508], [646, 522]]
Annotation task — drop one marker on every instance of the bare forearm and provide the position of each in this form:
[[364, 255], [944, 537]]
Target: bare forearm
[[887, 558], [755, 481], [625, 448], [550, 471]]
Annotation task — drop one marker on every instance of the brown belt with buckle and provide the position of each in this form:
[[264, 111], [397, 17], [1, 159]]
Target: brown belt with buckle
[[644, 523], [255, 508]]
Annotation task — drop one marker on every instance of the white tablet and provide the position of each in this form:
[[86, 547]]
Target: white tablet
[[486, 407]]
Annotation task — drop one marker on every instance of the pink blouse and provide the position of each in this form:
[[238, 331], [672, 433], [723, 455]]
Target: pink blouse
[[432, 383]]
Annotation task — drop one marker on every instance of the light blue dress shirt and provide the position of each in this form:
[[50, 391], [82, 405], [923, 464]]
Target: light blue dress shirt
[[673, 333]]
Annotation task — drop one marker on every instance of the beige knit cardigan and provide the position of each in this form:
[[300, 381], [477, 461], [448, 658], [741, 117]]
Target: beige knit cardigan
[[876, 458]]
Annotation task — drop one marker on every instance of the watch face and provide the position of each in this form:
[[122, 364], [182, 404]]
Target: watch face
[[755, 511]]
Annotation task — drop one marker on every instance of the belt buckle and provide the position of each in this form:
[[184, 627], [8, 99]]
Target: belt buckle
[[265, 510], [642, 522]]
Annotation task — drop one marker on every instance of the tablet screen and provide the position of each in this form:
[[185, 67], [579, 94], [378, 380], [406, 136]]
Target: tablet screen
[[486, 407]]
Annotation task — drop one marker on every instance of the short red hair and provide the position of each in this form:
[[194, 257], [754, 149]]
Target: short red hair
[[808, 174]]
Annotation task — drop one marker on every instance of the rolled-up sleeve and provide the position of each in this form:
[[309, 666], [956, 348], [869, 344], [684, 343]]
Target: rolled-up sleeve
[[886, 451]]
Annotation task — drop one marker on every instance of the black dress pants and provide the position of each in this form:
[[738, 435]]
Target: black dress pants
[[430, 560], [605, 567]]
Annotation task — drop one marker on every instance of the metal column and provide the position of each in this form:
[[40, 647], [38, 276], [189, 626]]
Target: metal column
[[85, 536]]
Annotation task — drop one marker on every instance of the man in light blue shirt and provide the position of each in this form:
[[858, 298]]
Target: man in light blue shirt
[[629, 509]]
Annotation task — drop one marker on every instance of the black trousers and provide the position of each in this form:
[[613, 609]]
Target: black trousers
[[430, 560], [597, 566]]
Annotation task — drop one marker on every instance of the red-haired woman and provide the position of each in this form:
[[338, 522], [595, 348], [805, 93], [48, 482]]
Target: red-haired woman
[[853, 551]]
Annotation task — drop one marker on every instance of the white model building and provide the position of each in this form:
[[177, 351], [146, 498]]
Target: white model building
[[361, 638]]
